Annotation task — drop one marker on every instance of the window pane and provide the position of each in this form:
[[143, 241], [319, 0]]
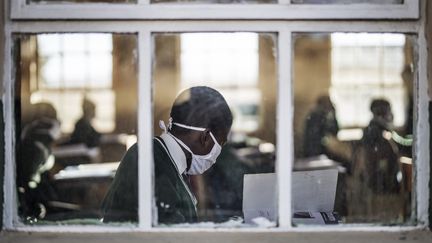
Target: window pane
[[348, 1], [353, 132], [215, 1], [80, 1], [76, 116], [241, 67]]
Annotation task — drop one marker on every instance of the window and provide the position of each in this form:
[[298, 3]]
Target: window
[[225, 9], [79, 1], [227, 62], [357, 120], [76, 119], [267, 60], [82, 63], [347, 1], [232, 64], [367, 52]]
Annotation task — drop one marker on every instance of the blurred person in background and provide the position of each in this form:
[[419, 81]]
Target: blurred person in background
[[84, 132], [34, 160], [320, 124]]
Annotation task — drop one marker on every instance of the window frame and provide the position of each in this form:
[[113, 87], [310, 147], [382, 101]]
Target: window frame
[[143, 9], [284, 31]]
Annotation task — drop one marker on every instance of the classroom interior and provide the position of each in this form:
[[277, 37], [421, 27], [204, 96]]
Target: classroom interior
[[336, 77]]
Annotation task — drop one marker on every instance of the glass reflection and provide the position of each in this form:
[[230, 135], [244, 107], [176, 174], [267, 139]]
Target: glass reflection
[[242, 68], [353, 115], [75, 118]]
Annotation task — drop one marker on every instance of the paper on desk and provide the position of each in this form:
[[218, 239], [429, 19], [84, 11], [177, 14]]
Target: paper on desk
[[259, 197], [312, 191]]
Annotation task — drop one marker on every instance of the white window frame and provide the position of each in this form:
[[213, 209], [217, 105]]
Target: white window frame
[[285, 110], [143, 9]]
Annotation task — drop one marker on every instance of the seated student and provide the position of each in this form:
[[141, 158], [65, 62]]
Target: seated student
[[199, 125], [84, 131], [319, 123], [381, 152], [376, 194], [34, 160]]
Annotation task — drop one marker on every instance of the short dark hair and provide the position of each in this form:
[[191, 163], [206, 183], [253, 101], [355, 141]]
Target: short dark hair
[[88, 106], [380, 107], [202, 106]]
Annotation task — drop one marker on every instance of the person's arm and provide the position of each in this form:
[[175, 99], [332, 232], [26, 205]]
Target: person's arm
[[121, 201]]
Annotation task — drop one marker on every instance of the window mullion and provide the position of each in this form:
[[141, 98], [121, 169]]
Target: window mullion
[[145, 148], [10, 216], [422, 130], [285, 113]]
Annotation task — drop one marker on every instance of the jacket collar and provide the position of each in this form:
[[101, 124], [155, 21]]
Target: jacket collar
[[176, 152]]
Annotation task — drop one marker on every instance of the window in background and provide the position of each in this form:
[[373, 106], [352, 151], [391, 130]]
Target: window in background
[[202, 58], [70, 67], [71, 90], [364, 82], [242, 67], [365, 66]]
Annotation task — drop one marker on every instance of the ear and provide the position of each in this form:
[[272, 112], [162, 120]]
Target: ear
[[205, 137]]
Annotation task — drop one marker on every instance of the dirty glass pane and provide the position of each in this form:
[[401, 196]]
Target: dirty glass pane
[[80, 1], [241, 68], [348, 1], [76, 115], [216, 1], [353, 128]]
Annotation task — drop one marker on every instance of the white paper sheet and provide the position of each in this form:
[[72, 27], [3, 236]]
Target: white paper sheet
[[259, 197], [312, 191]]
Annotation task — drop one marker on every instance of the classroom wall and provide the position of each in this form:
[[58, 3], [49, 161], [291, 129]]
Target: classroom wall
[[125, 83], [311, 79]]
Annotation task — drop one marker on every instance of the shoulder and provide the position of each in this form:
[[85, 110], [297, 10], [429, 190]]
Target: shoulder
[[160, 153], [133, 150], [82, 121], [159, 148]]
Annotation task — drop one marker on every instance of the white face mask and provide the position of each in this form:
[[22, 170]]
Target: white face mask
[[200, 163]]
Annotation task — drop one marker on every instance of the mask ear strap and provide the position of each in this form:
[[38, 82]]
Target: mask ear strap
[[166, 127], [196, 129], [214, 139], [181, 143], [189, 127]]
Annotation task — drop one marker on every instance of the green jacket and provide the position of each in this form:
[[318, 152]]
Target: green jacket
[[173, 197]]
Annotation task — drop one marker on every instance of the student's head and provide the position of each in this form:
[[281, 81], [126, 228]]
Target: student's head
[[201, 107], [381, 109], [324, 103], [43, 110], [89, 109]]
